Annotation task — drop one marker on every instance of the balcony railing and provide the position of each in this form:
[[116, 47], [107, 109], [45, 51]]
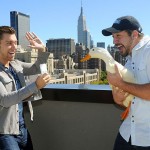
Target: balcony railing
[[74, 117]]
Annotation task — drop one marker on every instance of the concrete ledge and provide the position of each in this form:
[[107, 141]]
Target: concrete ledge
[[78, 93], [74, 119]]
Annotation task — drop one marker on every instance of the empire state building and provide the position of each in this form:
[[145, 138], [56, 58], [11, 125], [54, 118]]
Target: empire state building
[[84, 36]]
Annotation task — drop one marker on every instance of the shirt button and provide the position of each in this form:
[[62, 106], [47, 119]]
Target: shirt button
[[132, 120], [132, 102]]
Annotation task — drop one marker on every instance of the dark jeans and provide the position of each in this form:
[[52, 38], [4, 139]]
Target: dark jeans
[[16, 142], [121, 144]]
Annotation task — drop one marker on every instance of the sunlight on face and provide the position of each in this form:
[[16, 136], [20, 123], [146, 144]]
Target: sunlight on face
[[123, 42], [8, 46]]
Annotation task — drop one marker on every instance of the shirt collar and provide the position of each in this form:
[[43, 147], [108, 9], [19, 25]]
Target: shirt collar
[[142, 42]]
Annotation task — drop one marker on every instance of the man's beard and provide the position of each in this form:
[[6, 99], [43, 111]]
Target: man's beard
[[124, 54]]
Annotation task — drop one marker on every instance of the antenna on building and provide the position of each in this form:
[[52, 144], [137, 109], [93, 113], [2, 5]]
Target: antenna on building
[[81, 8]]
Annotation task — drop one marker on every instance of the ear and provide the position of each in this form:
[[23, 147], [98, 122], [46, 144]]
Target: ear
[[134, 34]]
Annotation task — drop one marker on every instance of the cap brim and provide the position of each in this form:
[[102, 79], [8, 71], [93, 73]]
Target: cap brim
[[109, 31]]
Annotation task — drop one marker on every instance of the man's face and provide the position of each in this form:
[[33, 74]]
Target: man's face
[[8, 46], [123, 42]]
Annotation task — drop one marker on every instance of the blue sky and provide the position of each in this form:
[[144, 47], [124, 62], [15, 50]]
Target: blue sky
[[58, 19]]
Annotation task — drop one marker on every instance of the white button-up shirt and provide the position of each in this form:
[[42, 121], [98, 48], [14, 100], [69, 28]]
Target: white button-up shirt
[[137, 124]]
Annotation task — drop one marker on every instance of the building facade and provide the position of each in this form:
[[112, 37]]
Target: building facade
[[61, 47], [21, 23], [101, 44]]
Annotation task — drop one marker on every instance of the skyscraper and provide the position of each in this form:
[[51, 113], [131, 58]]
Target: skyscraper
[[21, 23], [84, 36]]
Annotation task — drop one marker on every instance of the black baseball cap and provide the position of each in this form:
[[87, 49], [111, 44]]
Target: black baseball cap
[[121, 24]]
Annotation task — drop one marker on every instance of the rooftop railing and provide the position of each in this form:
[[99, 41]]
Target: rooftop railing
[[74, 117]]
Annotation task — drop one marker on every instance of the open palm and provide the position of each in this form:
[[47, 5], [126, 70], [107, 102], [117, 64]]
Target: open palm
[[34, 41]]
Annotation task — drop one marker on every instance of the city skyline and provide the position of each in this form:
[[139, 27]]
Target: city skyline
[[53, 19]]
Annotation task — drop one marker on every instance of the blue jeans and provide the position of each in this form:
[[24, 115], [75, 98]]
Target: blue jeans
[[16, 142], [121, 144]]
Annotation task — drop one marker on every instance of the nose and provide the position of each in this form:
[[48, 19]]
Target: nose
[[14, 45], [115, 40]]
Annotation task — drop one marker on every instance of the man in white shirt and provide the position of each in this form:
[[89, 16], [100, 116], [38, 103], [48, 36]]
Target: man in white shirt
[[134, 132]]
